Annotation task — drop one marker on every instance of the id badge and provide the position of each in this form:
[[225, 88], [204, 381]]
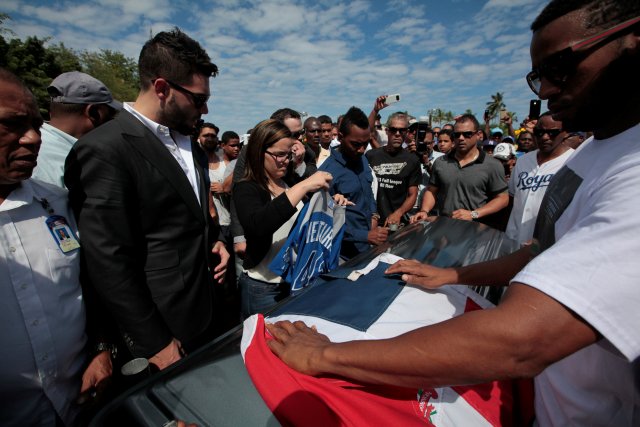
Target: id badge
[[62, 233]]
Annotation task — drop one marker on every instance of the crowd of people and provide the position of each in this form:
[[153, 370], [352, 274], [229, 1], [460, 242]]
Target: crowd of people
[[134, 231]]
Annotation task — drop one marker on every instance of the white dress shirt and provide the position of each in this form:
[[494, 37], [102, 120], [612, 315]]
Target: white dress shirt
[[179, 146], [42, 316]]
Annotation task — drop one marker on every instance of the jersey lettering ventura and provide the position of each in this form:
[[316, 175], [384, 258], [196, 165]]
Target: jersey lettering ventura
[[313, 246]]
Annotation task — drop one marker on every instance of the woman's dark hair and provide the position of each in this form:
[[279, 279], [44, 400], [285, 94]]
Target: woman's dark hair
[[264, 135]]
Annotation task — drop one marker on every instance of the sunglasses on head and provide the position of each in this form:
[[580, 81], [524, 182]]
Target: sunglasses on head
[[539, 133], [557, 67], [468, 134]]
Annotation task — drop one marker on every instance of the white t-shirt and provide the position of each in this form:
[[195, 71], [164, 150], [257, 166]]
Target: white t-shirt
[[527, 186], [593, 270], [221, 201]]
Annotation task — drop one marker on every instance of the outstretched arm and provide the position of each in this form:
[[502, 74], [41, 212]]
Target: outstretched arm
[[527, 332]]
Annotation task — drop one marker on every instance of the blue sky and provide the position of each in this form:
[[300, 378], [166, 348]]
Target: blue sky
[[320, 57]]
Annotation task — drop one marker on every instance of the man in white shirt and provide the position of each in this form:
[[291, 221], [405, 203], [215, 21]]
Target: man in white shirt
[[532, 174], [570, 317], [79, 104], [43, 357]]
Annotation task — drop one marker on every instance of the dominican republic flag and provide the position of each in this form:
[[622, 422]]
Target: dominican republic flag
[[362, 305]]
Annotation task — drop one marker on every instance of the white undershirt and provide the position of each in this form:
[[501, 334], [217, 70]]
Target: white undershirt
[[179, 146]]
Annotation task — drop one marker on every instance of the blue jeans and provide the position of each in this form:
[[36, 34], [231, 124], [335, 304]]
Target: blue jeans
[[259, 297]]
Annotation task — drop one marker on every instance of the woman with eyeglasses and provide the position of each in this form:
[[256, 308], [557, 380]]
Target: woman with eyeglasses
[[267, 208]]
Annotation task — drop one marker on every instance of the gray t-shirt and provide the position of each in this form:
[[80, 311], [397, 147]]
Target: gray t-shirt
[[468, 187]]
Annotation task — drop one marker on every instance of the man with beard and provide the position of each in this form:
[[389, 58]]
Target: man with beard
[[533, 173], [137, 186], [467, 183], [570, 318]]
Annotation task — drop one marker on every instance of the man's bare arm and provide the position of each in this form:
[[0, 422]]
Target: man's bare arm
[[496, 272], [526, 333]]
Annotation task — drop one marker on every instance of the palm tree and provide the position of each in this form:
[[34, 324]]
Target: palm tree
[[495, 105]]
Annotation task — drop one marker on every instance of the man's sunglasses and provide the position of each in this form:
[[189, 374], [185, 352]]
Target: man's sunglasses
[[468, 134], [199, 99], [393, 130], [298, 134], [557, 67], [318, 131], [539, 133]]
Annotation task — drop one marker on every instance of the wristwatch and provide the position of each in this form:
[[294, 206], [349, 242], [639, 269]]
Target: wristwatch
[[474, 214], [103, 346]]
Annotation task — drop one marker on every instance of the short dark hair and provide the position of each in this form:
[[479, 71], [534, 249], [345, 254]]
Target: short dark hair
[[264, 135], [174, 56], [600, 13], [324, 119], [210, 126], [229, 135], [353, 117], [469, 118], [285, 113], [309, 120], [62, 109], [447, 132]]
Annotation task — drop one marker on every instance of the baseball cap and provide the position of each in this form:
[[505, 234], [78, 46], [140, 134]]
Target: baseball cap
[[75, 87], [488, 143], [507, 138], [496, 130], [503, 151]]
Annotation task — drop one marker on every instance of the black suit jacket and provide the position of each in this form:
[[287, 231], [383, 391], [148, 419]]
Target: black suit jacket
[[145, 238]]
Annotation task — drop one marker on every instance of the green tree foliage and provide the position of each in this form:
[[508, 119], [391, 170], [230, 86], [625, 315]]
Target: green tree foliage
[[37, 63], [495, 105], [116, 71], [34, 64]]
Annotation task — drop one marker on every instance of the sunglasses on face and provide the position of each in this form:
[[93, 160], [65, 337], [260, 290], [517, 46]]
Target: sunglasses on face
[[468, 134], [539, 133], [557, 67], [199, 99], [393, 130], [314, 131], [297, 135], [280, 157]]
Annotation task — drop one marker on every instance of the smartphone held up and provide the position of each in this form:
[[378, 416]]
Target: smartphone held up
[[392, 99]]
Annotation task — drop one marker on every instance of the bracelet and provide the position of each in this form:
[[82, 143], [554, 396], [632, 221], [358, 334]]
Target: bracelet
[[376, 216]]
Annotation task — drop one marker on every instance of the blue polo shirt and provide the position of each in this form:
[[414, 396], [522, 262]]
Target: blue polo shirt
[[353, 180]]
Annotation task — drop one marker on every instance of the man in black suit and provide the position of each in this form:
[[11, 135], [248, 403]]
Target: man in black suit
[[137, 186]]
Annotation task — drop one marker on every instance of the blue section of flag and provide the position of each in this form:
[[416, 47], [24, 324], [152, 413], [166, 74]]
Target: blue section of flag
[[355, 304]]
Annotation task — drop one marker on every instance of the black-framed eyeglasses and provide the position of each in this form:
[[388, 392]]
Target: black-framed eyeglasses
[[558, 66], [281, 157], [539, 132], [199, 99], [468, 134], [393, 130]]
